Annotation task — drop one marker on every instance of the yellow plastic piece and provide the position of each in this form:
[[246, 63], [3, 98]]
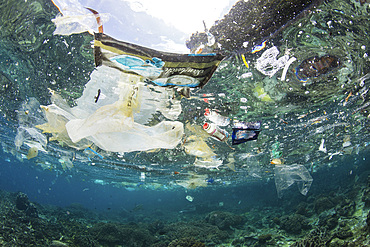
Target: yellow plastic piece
[[261, 94]]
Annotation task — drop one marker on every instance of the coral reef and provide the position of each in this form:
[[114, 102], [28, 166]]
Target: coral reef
[[316, 238], [294, 223], [186, 242], [224, 220]]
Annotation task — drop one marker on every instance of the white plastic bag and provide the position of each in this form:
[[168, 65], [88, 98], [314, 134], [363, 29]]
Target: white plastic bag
[[114, 113]]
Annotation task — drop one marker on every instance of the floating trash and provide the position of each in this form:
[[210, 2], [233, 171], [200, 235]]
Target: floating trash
[[189, 198], [245, 131], [268, 64], [287, 175]]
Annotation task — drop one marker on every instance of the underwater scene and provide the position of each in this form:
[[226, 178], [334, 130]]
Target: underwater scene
[[118, 128]]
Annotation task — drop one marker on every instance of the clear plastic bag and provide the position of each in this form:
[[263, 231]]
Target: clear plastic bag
[[114, 113], [286, 175]]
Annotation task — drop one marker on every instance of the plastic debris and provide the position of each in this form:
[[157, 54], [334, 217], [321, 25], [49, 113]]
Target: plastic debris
[[275, 153], [231, 162], [216, 118], [286, 175], [347, 141], [260, 47], [322, 148], [163, 69], [126, 92], [286, 67], [245, 131], [196, 146], [260, 93], [268, 65], [193, 181], [75, 18], [117, 122], [189, 198], [208, 163], [245, 61], [276, 162], [32, 153], [29, 115], [65, 162], [216, 132]]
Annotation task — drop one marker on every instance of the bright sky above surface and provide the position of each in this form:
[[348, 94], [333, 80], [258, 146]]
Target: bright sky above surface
[[161, 24], [187, 15]]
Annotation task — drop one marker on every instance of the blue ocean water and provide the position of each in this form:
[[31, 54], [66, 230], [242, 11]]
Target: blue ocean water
[[303, 181]]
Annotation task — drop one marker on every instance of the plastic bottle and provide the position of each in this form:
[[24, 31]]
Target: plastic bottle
[[216, 118], [216, 132]]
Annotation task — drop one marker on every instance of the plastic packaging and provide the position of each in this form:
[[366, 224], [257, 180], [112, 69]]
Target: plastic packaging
[[216, 132], [216, 118], [286, 175], [245, 131]]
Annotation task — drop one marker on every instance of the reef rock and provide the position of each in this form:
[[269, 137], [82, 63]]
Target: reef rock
[[224, 220], [293, 223]]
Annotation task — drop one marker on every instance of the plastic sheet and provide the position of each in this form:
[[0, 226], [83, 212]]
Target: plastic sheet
[[286, 175], [28, 115]]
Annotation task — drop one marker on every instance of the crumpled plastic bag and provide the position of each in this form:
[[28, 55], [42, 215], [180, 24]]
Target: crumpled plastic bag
[[286, 175], [113, 113]]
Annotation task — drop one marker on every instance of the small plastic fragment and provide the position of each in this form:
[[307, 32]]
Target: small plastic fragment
[[322, 148], [189, 198], [32, 153], [275, 154]]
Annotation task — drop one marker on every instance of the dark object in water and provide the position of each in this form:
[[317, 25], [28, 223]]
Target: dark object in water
[[97, 96], [316, 66]]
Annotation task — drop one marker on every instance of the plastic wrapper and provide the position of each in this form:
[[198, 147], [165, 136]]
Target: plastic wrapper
[[287, 175], [245, 131], [162, 68]]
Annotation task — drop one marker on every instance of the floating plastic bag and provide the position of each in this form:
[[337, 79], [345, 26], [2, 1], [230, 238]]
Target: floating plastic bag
[[116, 121], [286, 175]]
